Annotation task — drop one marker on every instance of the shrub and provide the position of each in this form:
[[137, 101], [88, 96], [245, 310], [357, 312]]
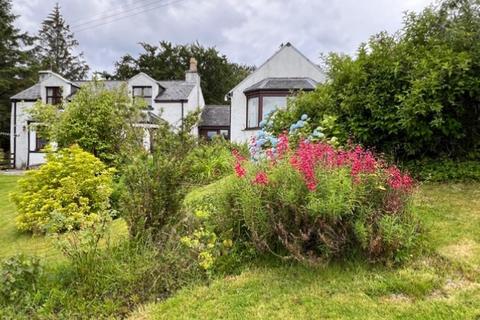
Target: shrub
[[315, 202], [101, 120], [70, 191], [443, 170], [410, 95]]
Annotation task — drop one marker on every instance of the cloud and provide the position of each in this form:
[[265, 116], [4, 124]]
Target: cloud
[[246, 31]]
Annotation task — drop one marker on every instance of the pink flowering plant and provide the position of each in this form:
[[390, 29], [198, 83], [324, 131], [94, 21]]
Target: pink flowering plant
[[308, 199]]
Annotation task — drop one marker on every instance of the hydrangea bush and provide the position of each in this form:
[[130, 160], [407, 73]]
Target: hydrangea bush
[[304, 197]]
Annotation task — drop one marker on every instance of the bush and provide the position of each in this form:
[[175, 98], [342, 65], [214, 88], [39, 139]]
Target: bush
[[70, 191], [316, 202], [444, 170], [411, 95]]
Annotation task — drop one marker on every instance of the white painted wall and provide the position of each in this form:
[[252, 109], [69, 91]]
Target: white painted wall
[[21, 148], [287, 62]]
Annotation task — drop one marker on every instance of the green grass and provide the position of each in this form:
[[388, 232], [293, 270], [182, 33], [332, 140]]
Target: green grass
[[442, 284], [13, 241]]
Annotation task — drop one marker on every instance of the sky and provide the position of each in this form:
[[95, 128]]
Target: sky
[[246, 31]]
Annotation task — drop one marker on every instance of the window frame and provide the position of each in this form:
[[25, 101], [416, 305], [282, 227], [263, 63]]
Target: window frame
[[143, 96], [56, 96], [260, 95]]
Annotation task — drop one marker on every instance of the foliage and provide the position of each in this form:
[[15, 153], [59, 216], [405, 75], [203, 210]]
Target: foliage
[[14, 74], [209, 161], [70, 191], [101, 121], [55, 46], [169, 62], [411, 95], [154, 184], [444, 170], [19, 277], [314, 201]]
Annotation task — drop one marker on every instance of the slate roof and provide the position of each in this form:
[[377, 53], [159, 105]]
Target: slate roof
[[32, 93], [283, 84], [215, 116], [174, 90]]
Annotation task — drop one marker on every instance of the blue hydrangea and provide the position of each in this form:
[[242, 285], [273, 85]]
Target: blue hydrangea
[[261, 142], [304, 117], [263, 123], [300, 124], [260, 134]]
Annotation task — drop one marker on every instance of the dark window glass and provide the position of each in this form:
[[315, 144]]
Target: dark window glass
[[54, 95], [144, 93]]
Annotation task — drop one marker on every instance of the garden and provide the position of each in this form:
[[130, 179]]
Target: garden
[[359, 200]]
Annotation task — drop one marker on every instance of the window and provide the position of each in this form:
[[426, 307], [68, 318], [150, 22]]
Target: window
[[261, 104], [210, 133], [144, 93], [271, 103], [40, 141], [54, 95], [252, 112]]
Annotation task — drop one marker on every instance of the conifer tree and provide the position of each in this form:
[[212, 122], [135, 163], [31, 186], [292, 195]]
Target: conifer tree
[[15, 71], [56, 46]]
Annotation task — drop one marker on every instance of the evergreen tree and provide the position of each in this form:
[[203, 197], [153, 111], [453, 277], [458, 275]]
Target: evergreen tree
[[55, 48], [14, 59]]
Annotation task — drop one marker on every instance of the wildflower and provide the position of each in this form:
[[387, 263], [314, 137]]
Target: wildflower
[[261, 178], [239, 170]]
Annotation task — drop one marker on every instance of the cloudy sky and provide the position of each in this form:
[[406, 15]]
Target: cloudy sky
[[247, 31]]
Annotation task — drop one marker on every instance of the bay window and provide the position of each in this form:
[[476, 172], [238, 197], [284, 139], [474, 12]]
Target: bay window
[[259, 105]]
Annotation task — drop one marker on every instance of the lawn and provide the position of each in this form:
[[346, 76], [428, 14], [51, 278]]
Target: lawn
[[14, 242], [444, 283]]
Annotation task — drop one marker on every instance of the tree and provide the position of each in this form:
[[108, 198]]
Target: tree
[[56, 45], [101, 121], [169, 62], [412, 95], [14, 59]]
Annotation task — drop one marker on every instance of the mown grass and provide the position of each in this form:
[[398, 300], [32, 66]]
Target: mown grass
[[14, 242], [444, 283]]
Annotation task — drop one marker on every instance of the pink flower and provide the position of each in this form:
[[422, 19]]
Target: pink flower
[[261, 178], [239, 170], [398, 181]]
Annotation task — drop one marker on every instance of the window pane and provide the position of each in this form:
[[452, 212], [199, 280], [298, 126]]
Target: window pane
[[224, 133], [49, 91], [147, 91], [272, 103], [252, 113], [137, 92], [211, 133]]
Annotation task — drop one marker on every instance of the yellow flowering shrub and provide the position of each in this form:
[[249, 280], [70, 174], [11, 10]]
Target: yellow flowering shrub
[[70, 191]]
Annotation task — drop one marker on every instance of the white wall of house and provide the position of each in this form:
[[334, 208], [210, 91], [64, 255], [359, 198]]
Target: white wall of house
[[287, 62], [20, 129]]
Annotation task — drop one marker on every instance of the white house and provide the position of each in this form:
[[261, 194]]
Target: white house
[[170, 100], [284, 73]]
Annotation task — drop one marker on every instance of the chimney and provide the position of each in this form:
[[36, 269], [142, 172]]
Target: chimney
[[192, 75], [43, 74]]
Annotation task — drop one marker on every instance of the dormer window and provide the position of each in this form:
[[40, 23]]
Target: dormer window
[[54, 95], [144, 93]]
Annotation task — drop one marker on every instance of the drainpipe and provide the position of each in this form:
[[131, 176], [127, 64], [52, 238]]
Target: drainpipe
[[182, 115], [14, 134]]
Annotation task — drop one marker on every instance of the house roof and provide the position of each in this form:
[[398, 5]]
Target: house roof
[[174, 90], [215, 116], [32, 93], [283, 84], [169, 90], [283, 47]]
